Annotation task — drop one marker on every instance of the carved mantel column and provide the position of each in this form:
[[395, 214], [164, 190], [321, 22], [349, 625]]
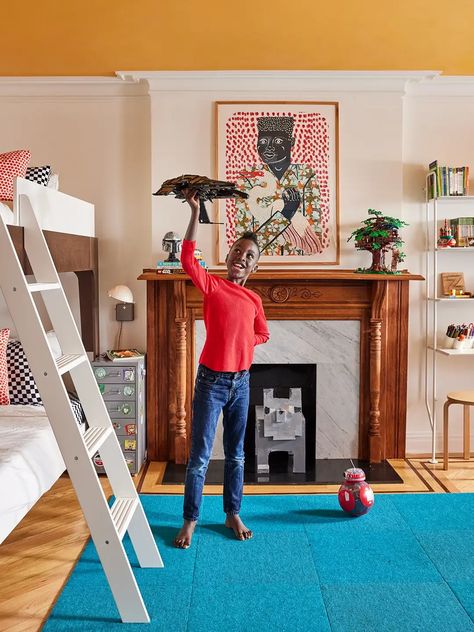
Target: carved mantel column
[[379, 292], [180, 439]]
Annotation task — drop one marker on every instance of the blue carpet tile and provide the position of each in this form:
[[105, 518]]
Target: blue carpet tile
[[406, 566]]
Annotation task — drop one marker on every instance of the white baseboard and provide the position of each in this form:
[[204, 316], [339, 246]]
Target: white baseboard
[[420, 443]]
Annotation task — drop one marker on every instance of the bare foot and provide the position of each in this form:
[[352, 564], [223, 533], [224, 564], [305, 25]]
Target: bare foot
[[185, 534], [234, 522]]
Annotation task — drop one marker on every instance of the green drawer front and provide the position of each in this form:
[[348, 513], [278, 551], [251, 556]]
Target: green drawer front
[[108, 374], [121, 410], [117, 391]]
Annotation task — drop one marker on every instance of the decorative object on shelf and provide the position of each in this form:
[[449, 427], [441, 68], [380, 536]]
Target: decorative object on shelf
[[459, 336], [208, 190], [124, 310], [355, 494], [285, 156], [379, 235], [452, 284], [446, 239]]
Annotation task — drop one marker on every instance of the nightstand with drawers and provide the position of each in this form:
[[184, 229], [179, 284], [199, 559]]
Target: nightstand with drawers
[[122, 386]]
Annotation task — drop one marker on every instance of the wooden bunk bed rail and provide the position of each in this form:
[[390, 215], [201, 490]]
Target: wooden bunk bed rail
[[78, 254]]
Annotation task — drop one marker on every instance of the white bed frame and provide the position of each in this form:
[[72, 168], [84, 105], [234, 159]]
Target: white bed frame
[[58, 212]]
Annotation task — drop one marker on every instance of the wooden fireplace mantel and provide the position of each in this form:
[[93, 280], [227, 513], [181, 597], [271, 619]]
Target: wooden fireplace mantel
[[378, 301]]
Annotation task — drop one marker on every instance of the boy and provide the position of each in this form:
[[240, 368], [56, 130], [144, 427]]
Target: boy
[[235, 323]]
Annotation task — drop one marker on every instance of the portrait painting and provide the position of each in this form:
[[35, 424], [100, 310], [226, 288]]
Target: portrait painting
[[284, 156]]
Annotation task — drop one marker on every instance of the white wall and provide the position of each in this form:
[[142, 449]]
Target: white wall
[[438, 125], [114, 142], [183, 139], [95, 134]]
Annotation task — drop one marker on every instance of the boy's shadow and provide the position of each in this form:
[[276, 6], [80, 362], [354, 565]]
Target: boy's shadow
[[165, 535]]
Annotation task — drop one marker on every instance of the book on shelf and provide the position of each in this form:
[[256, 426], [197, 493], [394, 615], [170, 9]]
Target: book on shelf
[[462, 229], [447, 181], [123, 355], [168, 264]]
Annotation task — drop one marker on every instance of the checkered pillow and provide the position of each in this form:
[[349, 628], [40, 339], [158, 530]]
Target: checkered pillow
[[12, 165], [4, 399], [39, 174], [77, 408], [22, 387]]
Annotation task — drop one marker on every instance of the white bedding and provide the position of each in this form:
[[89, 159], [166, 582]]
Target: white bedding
[[30, 462]]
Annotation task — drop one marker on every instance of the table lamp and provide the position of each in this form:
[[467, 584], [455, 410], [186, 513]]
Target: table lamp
[[124, 309]]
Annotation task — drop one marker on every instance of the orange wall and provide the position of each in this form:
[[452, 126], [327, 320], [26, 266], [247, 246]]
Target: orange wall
[[97, 37]]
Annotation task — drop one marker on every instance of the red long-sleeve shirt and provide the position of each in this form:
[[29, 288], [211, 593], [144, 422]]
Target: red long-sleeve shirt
[[233, 316]]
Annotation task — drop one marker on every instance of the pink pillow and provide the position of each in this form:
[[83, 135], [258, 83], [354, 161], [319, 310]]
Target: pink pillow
[[4, 399], [12, 165]]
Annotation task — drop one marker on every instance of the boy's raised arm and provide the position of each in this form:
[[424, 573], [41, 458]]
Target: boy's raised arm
[[201, 279]]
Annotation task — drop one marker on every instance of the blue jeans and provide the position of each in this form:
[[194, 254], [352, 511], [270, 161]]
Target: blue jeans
[[215, 391]]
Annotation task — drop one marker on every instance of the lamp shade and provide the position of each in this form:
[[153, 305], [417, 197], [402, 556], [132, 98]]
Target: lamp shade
[[121, 293]]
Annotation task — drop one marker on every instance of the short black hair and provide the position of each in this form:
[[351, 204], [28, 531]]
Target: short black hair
[[251, 237]]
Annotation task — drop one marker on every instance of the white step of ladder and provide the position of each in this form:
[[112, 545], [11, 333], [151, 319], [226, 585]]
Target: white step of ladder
[[43, 287], [122, 512], [66, 363], [107, 525], [94, 438]]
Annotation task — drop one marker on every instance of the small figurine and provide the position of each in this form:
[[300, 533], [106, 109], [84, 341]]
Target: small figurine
[[172, 243], [208, 190], [446, 239]]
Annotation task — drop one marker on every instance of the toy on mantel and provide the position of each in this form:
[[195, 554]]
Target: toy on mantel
[[379, 235], [207, 190]]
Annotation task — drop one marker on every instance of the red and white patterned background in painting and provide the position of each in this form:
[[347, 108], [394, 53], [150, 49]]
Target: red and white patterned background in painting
[[311, 133]]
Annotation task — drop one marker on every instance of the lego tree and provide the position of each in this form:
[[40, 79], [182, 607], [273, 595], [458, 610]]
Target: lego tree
[[379, 235]]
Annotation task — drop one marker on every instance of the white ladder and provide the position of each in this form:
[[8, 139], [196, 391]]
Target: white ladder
[[107, 525]]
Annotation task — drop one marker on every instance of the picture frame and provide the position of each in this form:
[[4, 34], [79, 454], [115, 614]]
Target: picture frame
[[284, 156]]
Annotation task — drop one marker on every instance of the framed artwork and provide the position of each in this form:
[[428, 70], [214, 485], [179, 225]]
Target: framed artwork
[[284, 156]]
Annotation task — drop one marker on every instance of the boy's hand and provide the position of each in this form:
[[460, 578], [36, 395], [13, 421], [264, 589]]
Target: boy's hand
[[192, 198]]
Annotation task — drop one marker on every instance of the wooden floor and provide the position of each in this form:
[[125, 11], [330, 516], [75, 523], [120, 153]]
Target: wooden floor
[[39, 555]]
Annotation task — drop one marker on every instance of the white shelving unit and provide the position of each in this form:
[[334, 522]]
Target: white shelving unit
[[446, 206]]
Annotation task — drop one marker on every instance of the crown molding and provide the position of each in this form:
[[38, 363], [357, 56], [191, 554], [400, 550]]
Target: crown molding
[[284, 81], [441, 86], [131, 83], [70, 87]]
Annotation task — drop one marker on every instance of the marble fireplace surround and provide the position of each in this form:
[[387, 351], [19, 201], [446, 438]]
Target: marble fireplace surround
[[378, 302], [334, 346]]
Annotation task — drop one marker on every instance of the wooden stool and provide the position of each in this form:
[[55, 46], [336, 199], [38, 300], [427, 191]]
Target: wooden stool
[[466, 398]]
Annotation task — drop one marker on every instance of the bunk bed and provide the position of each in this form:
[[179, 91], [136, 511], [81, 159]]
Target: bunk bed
[[30, 461]]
